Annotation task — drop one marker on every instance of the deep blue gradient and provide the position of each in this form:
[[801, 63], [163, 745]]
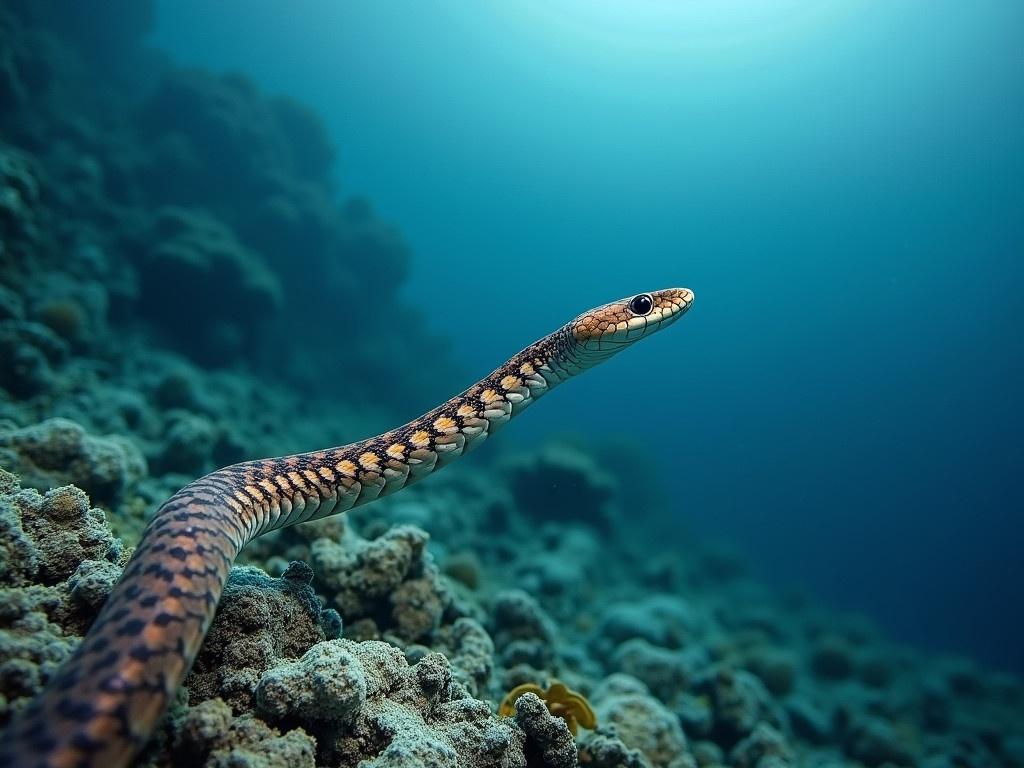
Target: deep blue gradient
[[841, 184]]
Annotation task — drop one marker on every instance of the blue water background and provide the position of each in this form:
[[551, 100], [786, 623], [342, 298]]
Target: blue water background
[[841, 184]]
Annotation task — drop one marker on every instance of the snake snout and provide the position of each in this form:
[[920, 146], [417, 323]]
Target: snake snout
[[671, 303], [677, 298]]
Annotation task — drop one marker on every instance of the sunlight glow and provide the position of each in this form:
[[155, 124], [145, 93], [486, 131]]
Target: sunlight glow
[[660, 27]]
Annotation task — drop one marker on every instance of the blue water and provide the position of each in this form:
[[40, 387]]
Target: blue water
[[841, 184]]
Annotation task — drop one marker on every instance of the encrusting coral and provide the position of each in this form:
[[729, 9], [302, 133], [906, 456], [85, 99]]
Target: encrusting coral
[[561, 483], [642, 722], [549, 732], [123, 176], [561, 702], [60, 451], [384, 585], [260, 623], [58, 563]]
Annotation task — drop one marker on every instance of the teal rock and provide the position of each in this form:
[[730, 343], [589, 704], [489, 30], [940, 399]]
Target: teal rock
[[327, 683], [59, 451], [548, 740]]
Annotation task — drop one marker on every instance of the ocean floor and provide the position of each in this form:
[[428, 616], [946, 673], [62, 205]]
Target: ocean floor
[[150, 220]]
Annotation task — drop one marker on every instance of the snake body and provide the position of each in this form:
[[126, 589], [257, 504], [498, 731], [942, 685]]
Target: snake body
[[105, 701]]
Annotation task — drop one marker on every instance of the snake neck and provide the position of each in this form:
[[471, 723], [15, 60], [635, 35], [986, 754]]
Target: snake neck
[[324, 483]]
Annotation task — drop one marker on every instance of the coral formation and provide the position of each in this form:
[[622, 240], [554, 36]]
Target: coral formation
[[196, 261], [59, 451], [549, 733], [151, 220], [260, 622], [58, 563], [641, 721], [561, 483], [561, 702], [385, 585]]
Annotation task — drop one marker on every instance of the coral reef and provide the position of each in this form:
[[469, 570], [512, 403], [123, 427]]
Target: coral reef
[[59, 451], [641, 721], [384, 585], [561, 483], [151, 224], [727, 675], [260, 622], [546, 732], [58, 563], [569, 705], [194, 260], [114, 224]]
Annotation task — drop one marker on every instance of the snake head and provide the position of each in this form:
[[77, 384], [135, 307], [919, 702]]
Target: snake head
[[613, 327]]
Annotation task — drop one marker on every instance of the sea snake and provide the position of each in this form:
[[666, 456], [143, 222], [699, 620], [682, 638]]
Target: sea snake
[[104, 703]]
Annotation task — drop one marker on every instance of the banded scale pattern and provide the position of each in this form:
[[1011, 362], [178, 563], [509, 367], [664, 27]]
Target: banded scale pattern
[[103, 704]]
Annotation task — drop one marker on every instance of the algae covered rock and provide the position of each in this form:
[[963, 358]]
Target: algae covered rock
[[660, 619], [547, 737], [471, 652], [31, 352], [92, 582], [603, 749], [196, 261], [874, 742], [366, 705], [59, 451], [189, 442], [19, 203], [359, 703], [641, 721], [390, 581], [261, 621], [663, 671], [58, 562], [327, 683], [201, 728], [208, 731], [32, 646], [46, 537], [19, 557], [738, 703], [763, 747], [832, 658], [426, 720], [523, 632], [73, 308], [562, 483], [776, 668]]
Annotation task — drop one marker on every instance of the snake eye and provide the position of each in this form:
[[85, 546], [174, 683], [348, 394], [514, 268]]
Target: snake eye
[[641, 304]]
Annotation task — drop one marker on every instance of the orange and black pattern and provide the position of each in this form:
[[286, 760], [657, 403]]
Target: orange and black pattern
[[103, 704]]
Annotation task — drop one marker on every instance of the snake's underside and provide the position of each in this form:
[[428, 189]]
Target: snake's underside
[[103, 704]]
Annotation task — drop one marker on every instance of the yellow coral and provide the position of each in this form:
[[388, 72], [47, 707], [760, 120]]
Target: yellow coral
[[561, 702]]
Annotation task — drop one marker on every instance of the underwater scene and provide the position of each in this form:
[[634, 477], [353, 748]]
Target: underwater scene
[[267, 267]]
